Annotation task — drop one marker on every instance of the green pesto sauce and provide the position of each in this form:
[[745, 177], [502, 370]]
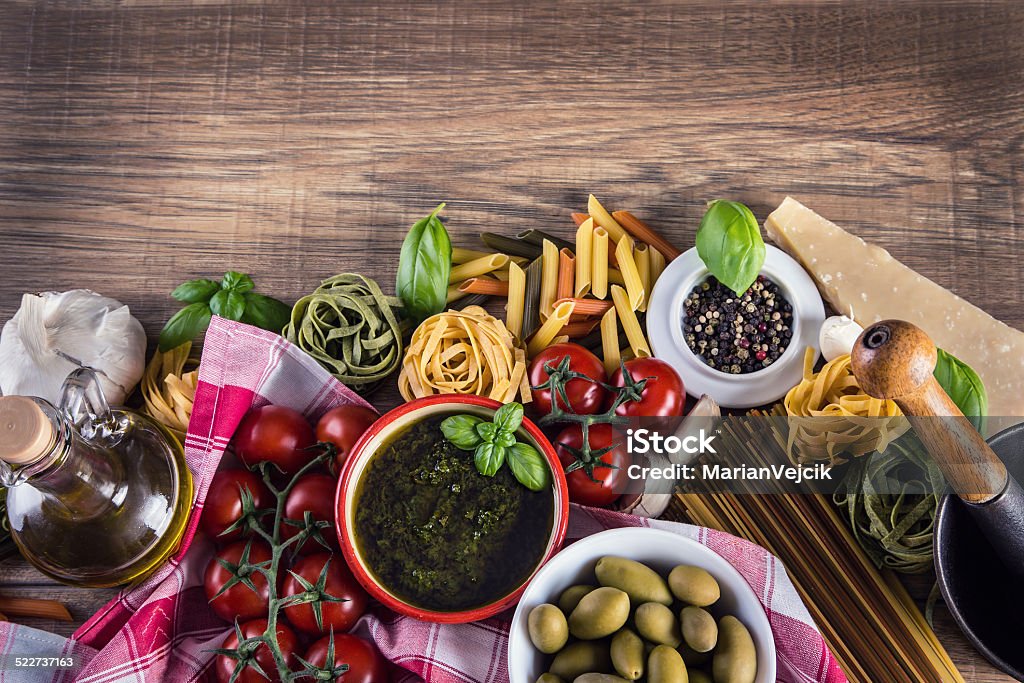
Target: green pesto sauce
[[440, 535]]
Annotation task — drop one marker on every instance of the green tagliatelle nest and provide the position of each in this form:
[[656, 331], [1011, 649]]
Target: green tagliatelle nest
[[890, 500], [352, 328]]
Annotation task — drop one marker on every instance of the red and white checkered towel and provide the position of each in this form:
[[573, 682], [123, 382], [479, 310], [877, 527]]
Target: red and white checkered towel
[[163, 630]]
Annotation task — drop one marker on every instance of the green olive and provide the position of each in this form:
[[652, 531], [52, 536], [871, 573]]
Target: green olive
[[694, 586], [599, 678], [639, 581], [548, 628], [549, 678], [698, 676], [576, 659], [601, 612], [692, 657], [656, 623], [699, 629], [571, 597], [665, 665], [735, 659], [628, 654]]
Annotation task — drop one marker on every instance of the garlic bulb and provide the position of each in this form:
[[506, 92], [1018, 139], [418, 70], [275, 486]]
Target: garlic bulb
[[837, 336], [54, 333]]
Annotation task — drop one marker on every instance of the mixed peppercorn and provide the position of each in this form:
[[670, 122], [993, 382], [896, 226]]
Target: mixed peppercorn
[[737, 334]]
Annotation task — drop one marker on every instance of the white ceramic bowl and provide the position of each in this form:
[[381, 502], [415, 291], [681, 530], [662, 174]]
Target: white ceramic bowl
[[665, 332], [661, 550]]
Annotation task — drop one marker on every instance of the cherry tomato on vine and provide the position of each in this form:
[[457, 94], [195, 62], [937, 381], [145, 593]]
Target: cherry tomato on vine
[[342, 427], [585, 398], [596, 481], [239, 601], [275, 434], [340, 616], [224, 501], [286, 640], [365, 663], [313, 493], [663, 394]]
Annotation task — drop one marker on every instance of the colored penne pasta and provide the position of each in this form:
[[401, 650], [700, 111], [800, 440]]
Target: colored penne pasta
[[566, 274], [551, 328], [629, 322], [642, 256], [588, 306], [575, 330], [461, 255], [630, 273], [549, 278], [516, 304], [482, 285], [579, 218], [599, 264], [645, 233], [477, 267], [531, 303], [538, 236], [610, 341], [604, 219], [510, 245]]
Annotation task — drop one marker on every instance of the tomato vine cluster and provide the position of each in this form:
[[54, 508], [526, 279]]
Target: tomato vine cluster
[[278, 574]]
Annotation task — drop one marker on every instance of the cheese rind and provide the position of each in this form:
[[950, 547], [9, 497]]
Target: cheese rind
[[865, 282]]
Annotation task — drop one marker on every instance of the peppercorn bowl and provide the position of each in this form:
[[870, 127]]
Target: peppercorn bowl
[[428, 535], [781, 277]]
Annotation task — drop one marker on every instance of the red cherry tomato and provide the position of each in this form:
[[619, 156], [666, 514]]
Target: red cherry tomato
[[224, 503], [365, 664], [277, 435], [663, 394], [585, 398], [239, 601], [225, 666], [594, 483], [340, 616], [342, 427], [313, 493]]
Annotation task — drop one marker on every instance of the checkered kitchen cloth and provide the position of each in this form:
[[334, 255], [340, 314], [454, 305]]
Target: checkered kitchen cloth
[[163, 630]]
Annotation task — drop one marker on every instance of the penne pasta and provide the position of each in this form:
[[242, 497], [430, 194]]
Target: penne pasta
[[545, 336], [588, 306], [604, 219], [615, 277], [460, 255], [566, 274], [561, 339], [630, 273], [501, 274], [629, 322], [657, 265], [645, 233], [510, 245], [575, 330], [531, 304], [481, 285], [599, 264], [610, 341], [642, 256], [584, 253], [516, 304], [538, 236], [454, 293], [549, 278], [579, 218], [477, 267]]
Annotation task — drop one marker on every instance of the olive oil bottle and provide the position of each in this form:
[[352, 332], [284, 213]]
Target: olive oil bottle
[[95, 496]]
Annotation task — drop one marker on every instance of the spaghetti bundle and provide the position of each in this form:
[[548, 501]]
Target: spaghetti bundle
[[464, 352], [832, 417]]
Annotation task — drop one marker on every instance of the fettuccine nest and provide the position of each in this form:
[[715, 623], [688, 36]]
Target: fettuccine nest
[[832, 419], [169, 388]]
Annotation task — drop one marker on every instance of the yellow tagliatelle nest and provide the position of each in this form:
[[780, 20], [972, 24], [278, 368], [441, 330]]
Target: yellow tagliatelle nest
[[464, 352], [168, 391], [831, 416]]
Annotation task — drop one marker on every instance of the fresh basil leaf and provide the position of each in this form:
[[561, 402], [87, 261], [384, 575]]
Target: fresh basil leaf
[[730, 245], [505, 439], [529, 467], [964, 387], [195, 291], [487, 431], [460, 430], [237, 282], [266, 312], [509, 417], [423, 268], [489, 458], [230, 305], [185, 325]]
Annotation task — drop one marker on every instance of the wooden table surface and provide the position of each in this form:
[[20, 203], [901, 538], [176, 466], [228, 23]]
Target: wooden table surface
[[145, 143]]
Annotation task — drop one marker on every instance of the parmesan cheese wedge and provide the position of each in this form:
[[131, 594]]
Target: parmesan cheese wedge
[[853, 275]]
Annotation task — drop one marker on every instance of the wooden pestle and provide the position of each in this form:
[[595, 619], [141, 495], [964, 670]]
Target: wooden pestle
[[895, 359]]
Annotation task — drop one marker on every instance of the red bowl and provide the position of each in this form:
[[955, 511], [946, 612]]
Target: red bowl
[[399, 419]]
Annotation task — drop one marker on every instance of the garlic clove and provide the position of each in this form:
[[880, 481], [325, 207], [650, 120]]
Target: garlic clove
[[837, 336]]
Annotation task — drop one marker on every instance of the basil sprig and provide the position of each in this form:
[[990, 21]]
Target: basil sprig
[[494, 443], [423, 268], [231, 298], [964, 387], [730, 245]]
